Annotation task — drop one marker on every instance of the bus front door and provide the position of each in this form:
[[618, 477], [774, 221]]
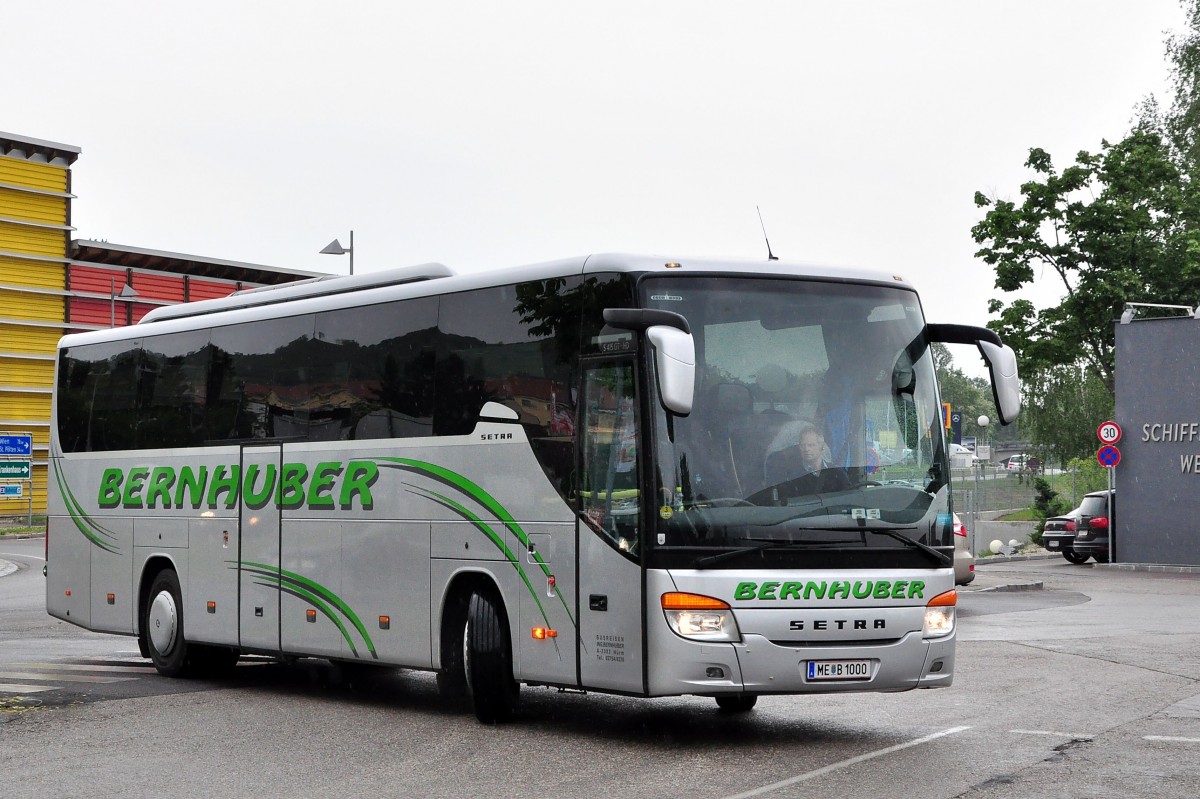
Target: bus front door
[[608, 528], [258, 566]]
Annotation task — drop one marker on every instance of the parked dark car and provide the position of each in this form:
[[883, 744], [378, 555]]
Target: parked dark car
[[1059, 536], [1093, 524]]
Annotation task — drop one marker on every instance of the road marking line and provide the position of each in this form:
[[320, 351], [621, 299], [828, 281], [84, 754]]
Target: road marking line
[[811, 775], [1081, 736], [19, 555], [1172, 738], [17, 688], [30, 675], [146, 669]]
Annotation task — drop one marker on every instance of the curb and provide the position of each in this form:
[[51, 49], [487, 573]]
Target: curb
[[1154, 568], [1011, 587], [1011, 558]]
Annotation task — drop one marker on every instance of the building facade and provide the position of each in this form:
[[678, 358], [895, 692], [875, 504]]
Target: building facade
[[52, 284]]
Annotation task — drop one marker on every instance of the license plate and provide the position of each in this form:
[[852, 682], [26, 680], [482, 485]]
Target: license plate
[[1051, 545], [839, 670]]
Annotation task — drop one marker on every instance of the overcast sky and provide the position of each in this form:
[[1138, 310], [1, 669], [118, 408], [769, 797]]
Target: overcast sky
[[482, 135]]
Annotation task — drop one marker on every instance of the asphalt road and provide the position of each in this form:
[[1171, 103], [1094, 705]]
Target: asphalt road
[[1085, 688]]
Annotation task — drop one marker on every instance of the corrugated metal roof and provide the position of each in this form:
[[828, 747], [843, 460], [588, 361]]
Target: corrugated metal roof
[[31, 146], [101, 252]]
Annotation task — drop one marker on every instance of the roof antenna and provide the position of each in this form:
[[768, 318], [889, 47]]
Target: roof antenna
[[770, 255]]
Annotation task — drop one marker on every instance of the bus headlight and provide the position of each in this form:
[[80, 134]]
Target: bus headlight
[[939, 615], [700, 618]]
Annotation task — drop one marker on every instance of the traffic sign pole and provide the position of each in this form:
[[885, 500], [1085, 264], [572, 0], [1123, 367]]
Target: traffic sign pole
[[1109, 456]]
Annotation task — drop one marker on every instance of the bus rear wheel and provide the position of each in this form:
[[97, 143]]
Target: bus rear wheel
[[162, 620], [737, 703], [488, 665]]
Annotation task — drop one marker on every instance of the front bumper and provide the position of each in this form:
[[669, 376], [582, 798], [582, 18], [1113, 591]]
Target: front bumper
[[761, 666]]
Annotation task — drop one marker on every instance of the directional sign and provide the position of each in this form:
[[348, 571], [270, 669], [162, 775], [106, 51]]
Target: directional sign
[[16, 444], [10, 491], [1109, 432], [18, 470], [1108, 456]]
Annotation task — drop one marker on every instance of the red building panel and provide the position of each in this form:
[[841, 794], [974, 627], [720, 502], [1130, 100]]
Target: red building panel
[[209, 289], [159, 287]]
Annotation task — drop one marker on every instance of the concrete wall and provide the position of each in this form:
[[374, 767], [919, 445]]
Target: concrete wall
[[1158, 408]]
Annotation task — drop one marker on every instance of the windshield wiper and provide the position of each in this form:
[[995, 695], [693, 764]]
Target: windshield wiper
[[765, 544], [891, 532]]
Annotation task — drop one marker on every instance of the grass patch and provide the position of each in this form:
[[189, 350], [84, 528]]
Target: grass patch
[[37, 529], [1023, 515]]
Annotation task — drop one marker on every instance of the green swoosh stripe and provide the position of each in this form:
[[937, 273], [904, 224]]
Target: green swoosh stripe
[[483, 527], [300, 586], [83, 523], [312, 599], [475, 492]]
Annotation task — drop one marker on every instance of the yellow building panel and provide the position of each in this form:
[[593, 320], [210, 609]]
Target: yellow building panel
[[21, 372], [36, 274], [16, 237], [33, 340], [35, 307], [35, 407], [48, 210], [36, 176]]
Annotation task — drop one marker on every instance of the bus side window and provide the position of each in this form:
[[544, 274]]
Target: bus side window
[[609, 438]]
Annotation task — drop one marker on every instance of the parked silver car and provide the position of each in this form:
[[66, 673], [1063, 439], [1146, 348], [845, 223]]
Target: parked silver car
[[964, 559]]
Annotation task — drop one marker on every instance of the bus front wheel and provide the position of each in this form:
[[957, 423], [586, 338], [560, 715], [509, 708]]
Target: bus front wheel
[[737, 703], [488, 664]]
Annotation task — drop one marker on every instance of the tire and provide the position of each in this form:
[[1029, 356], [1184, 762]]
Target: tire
[[488, 660], [737, 703], [162, 619], [1101, 557], [452, 677], [1074, 557], [211, 661]]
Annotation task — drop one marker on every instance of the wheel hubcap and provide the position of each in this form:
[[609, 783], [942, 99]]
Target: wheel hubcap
[[162, 622]]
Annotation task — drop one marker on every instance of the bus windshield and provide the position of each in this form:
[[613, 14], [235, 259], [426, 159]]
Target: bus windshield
[[815, 436]]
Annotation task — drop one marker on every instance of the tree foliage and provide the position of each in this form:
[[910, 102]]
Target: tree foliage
[[1118, 225], [1065, 406]]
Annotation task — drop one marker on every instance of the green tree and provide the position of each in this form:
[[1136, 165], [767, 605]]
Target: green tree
[[1062, 407], [1114, 227], [1118, 225], [1182, 122]]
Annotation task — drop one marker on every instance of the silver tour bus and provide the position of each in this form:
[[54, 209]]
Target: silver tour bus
[[614, 473]]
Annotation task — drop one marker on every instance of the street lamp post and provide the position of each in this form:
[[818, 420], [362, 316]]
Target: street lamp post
[[127, 292], [335, 248], [983, 423]]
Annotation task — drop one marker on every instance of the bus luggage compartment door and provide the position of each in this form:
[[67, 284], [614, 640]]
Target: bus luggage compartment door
[[258, 562]]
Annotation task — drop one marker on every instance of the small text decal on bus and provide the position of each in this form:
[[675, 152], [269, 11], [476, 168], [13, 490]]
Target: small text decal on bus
[[329, 485]]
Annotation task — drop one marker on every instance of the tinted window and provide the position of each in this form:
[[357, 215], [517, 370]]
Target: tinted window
[[97, 401], [266, 382], [517, 346], [173, 390], [383, 357]]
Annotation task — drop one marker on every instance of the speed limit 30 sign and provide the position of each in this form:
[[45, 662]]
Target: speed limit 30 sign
[[1109, 432]]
